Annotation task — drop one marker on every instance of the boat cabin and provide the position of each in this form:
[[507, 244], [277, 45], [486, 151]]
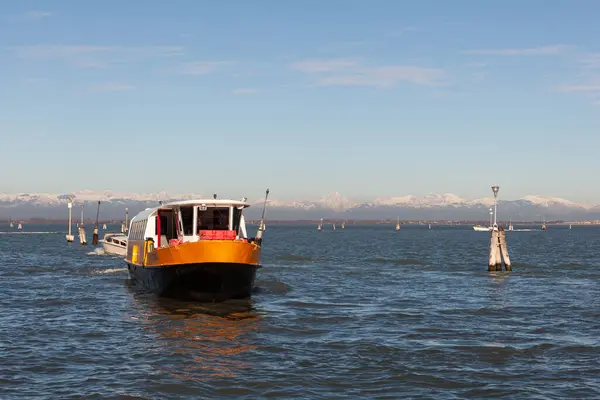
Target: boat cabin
[[190, 221], [115, 240]]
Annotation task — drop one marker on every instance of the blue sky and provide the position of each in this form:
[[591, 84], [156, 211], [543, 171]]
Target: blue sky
[[367, 98]]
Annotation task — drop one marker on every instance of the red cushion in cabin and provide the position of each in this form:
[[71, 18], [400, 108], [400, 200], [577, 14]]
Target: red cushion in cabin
[[217, 235]]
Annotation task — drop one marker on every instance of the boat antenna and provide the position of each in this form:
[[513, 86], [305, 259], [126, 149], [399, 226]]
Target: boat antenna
[[261, 226], [95, 234]]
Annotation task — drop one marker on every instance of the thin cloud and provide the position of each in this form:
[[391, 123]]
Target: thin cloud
[[342, 46], [37, 15], [589, 87], [111, 87], [36, 80], [590, 60], [93, 56], [64, 51], [534, 51], [244, 91], [403, 30], [202, 67], [333, 65], [342, 72]]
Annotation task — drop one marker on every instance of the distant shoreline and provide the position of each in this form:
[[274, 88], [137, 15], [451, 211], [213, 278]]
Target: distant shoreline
[[41, 221]]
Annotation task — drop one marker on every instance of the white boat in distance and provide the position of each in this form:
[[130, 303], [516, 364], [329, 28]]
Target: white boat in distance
[[115, 243], [481, 228]]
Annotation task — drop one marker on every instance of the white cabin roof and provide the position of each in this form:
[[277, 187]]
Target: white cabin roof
[[208, 202]]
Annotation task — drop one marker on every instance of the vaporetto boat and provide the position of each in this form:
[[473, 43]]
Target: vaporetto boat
[[195, 249]]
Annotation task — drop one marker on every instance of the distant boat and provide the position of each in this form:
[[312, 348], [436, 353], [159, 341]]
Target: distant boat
[[343, 224], [429, 226], [570, 226], [481, 228], [320, 226], [104, 226], [543, 227], [510, 225], [115, 243], [398, 224], [333, 226], [20, 226]]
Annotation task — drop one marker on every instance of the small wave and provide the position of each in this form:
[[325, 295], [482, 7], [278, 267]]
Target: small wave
[[523, 265], [109, 270], [275, 287], [569, 265], [294, 257], [400, 261], [97, 252]]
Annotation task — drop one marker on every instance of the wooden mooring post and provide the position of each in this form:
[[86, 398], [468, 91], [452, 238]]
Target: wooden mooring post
[[498, 247], [498, 251]]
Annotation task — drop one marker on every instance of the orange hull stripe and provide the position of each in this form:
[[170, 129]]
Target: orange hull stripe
[[213, 251]]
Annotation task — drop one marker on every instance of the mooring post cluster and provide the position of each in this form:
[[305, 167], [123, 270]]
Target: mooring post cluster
[[498, 247]]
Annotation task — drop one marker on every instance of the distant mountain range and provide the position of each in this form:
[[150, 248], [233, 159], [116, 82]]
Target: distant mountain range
[[431, 207]]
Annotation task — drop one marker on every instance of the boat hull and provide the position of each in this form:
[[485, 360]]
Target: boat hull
[[482, 229], [111, 248], [200, 282]]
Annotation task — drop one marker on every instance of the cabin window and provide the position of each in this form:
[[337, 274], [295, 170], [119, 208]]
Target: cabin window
[[187, 218], [167, 226], [138, 229], [237, 215], [213, 218]]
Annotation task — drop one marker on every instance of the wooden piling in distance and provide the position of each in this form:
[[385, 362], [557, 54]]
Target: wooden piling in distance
[[504, 249], [498, 251], [493, 251]]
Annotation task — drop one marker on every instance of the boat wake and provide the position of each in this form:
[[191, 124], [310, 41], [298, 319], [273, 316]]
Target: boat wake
[[109, 271], [97, 252]]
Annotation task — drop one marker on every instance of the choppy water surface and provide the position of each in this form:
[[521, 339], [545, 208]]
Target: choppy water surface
[[362, 312]]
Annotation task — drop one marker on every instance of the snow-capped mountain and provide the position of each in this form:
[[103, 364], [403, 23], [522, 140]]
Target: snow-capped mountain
[[334, 205]]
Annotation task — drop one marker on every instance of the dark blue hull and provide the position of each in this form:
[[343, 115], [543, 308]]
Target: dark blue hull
[[200, 282]]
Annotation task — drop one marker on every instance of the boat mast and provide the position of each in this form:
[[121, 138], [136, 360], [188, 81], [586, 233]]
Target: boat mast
[[261, 226]]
